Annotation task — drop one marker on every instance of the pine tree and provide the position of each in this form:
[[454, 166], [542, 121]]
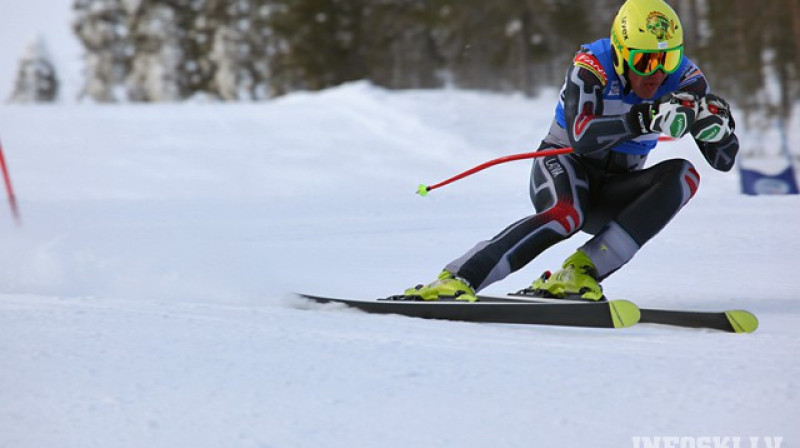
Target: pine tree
[[748, 50], [240, 49], [101, 25], [37, 81], [400, 50], [167, 50], [160, 49], [317, 45]]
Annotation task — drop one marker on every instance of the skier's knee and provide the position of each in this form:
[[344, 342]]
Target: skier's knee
[[566, 215], [683, 173], [689, 179]]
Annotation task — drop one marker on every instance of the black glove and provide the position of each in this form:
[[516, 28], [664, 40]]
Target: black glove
[[714, 121], [673, 114]]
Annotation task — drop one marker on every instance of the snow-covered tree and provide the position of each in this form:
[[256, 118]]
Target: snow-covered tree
[[166, 50], [226, 56], [101, 25], [156, 68], [240, 49], [37, 81]]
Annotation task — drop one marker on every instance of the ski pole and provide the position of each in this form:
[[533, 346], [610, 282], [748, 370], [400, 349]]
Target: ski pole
[[12, 200], [423, 189]]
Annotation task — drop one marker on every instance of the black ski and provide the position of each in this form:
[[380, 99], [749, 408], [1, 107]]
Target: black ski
[[610, 314], [732, 321]]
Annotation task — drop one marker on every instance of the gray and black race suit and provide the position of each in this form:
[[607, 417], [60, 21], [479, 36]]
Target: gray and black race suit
[[602, 188]]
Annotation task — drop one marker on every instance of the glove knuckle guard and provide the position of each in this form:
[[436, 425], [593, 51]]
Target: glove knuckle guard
[[676, 113], [713, 120]]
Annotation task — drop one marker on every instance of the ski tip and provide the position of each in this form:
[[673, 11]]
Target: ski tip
[[624, 314], [742, 321]]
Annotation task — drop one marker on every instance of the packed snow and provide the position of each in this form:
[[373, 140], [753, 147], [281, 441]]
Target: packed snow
[[145, 298]]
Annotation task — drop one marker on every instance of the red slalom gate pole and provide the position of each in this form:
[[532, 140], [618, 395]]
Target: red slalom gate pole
[[423, 189], [12, 199]]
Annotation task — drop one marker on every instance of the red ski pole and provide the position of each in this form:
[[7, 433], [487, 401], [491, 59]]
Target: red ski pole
[[423, 189], [12, 199]]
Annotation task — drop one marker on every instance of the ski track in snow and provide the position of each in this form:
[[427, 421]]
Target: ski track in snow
[[145, 299]]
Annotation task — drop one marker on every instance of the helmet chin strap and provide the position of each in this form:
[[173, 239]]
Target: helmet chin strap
[[626, 82]]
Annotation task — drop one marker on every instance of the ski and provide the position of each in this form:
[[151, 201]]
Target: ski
[[607, 314], [525, 309], [731, 321]]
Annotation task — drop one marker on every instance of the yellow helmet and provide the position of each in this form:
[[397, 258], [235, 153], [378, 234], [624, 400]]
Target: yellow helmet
[[647, 35]]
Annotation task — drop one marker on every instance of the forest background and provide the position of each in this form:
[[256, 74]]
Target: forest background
[[245, 50]]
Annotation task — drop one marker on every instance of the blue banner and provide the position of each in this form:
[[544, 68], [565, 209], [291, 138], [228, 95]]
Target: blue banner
[[757, 183]]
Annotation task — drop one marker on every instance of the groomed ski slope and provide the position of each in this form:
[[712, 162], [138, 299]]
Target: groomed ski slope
[[145, 299]]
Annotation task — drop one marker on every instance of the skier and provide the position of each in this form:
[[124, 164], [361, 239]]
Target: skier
[[619, 95]]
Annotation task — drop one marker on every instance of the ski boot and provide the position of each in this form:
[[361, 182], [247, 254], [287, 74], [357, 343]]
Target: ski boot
[[447, 286], [576, 280]]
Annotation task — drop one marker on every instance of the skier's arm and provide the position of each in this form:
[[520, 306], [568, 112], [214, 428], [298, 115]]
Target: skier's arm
[[713, 129], [588, 129], [720, 155]]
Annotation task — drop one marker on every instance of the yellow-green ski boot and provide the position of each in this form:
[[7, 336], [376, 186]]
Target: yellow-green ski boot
[[446, 287], [577, 279]]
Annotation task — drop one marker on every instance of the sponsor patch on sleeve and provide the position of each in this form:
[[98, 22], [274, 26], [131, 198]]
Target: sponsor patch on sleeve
[[692, 73], [589, 62], [692, 79]]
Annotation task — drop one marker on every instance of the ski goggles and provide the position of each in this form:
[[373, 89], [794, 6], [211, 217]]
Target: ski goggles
[[647, 62]]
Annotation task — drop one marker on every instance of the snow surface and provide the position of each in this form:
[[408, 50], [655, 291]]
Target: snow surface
[[145, 299]]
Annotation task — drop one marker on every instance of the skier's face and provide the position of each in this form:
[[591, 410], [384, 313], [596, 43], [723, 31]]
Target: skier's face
[[645, 87]]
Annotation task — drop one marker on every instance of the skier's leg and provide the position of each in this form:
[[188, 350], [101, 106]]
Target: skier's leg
[[633, 208], [559, 190]]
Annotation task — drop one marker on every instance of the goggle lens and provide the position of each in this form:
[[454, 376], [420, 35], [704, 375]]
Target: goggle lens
[[647, 62]]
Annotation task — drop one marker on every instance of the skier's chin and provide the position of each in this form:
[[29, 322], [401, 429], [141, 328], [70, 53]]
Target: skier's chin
[[647, 92], [645, 87]]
